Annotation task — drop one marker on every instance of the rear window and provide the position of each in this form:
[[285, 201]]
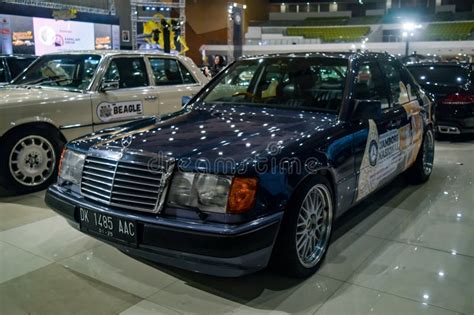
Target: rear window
[[444, 75]]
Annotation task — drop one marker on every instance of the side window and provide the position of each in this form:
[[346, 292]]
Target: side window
[[17, 65], [130, 72], [3, 77], [165, 71], [397, 87], [369, 84], [187, 76]]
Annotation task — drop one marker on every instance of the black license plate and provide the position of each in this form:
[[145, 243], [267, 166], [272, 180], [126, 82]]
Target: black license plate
[[108, 226]]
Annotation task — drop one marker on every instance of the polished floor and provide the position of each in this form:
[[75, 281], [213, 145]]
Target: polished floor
[[406, 250]]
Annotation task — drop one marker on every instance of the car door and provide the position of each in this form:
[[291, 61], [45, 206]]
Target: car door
[[172, 81], [406, 102], [376, 143], [128, 95]]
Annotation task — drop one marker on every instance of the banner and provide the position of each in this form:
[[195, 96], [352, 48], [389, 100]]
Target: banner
[[52, 36]]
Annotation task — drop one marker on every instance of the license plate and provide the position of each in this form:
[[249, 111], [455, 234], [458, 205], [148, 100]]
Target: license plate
[[109, 226]]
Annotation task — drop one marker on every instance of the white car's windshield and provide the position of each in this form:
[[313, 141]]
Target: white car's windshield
[[300, 83], [73, 72]]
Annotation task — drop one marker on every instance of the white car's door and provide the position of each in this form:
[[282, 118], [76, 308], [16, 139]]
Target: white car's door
[[131, 99], [173, 80]]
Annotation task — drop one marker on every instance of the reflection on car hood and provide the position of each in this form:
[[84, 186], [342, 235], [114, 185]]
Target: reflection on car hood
[[220, 131], [15, 96]]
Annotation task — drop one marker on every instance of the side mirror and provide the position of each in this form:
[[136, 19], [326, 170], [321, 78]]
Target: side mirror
[[185, 100], [109, 85], [366, 109]]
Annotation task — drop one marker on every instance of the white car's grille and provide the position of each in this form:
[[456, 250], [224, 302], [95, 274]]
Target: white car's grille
[[124, 184]]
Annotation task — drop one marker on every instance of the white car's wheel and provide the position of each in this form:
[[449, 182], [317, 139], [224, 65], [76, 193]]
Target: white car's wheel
[[30, 159]]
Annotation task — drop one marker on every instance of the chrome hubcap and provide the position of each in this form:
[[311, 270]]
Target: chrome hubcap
[[314, 226], [428, 152], [32, 160]]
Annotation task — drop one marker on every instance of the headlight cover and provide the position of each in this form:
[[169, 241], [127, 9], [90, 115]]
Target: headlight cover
[[70, 167], [206, 192]]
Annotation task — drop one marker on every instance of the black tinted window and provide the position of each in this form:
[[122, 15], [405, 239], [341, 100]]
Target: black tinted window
[[369, 84], [392, 74], [451, 75], [130, 72], [17, 65]]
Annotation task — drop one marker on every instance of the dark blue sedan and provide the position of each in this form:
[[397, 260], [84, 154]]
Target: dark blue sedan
[[255, 168]]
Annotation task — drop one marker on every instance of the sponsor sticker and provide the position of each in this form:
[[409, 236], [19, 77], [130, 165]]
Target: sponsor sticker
[[107, 111]]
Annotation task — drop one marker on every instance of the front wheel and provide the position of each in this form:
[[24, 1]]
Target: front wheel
[[306, 230], [29, 159], [421, 170]]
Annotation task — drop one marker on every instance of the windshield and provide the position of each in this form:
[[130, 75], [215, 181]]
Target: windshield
[[73, 72], [444, 75], [298, 83]]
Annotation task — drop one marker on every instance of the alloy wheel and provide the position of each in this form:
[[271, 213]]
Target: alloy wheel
[[313, 228], [428, 152], [32, 160]]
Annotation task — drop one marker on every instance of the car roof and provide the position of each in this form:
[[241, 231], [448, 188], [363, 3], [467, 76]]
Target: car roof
[[335, 54], [111, 52], [437, 64]]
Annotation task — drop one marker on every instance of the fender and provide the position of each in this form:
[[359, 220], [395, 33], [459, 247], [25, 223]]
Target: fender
[[26, 120]]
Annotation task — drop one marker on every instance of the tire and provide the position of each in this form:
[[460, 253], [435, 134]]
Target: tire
[[291, 256], [29, 159], [421, 170]]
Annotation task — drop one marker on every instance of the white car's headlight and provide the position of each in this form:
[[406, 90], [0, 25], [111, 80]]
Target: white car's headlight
[[213, 193], [70, 167]]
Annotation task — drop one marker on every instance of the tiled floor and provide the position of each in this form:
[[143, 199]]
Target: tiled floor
[[406, 250]]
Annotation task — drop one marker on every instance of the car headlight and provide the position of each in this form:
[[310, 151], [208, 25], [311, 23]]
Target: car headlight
[[213, 193], [70, 167]]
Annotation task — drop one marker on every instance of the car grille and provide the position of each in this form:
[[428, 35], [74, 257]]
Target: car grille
[[124, 184]]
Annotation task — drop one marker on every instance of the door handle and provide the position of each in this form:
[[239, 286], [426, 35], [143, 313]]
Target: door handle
[[150, 98]]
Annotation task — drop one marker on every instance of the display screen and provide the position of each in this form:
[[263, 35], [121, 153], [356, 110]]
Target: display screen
[[53, 36]]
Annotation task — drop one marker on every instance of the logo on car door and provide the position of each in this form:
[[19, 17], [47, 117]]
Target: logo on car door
[[107, 111]]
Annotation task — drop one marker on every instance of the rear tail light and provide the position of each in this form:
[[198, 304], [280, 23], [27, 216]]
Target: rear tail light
[[458, 99]]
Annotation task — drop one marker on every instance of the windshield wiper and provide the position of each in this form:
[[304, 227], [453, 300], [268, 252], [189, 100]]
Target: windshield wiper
[[52, 79]]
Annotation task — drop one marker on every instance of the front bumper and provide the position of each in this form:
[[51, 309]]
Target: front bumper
[[217, 249], [455, 119]]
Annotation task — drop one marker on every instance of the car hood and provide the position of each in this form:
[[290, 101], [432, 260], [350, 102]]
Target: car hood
[[216, 132], [15, 96]]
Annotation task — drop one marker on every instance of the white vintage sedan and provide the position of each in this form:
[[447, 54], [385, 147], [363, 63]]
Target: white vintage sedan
[[62, 96]]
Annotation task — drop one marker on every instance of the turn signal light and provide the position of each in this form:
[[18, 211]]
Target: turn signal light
[[60, 166], [242, 195]]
